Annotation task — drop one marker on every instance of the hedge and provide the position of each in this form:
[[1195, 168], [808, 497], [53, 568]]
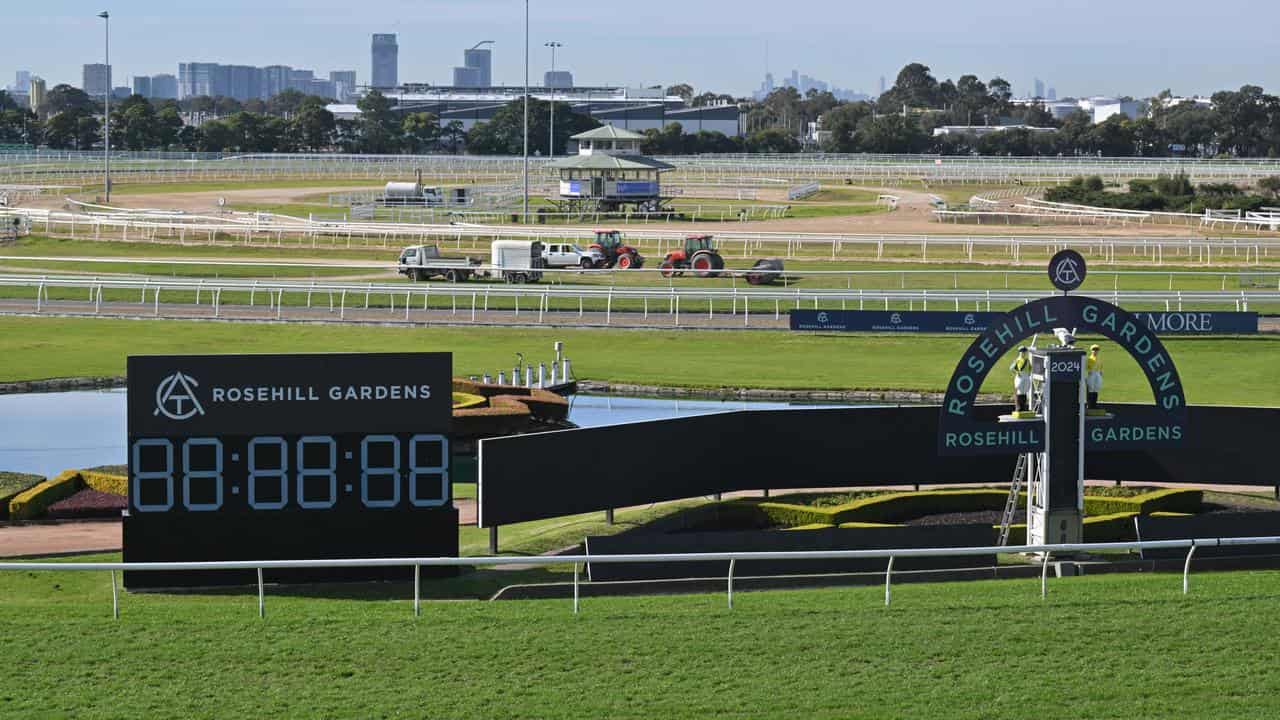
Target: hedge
[[105, 482], [462, 400], [11, 484], [1169, 500], [1116, 527], [34, 501], [888, 509]]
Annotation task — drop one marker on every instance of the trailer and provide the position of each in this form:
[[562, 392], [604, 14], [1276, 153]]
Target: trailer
[[516, 261], [423, 262]]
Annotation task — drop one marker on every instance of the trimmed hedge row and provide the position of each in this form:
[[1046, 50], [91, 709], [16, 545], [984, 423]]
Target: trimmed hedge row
[[1116, 527], [105, 482], [888, 508], [463, 401], [13, 484], [35, 501], [1169, 500]]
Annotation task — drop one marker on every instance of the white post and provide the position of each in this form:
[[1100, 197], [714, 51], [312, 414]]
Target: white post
[[262, 610], [731, 563], [417, 574], [888, 574], [1186, 567], [115, 597]]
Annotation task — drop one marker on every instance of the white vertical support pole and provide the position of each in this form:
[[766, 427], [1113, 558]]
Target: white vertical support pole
[[115, 597], [575, 588], [417, 577], [888, 575], [262, 609], [731, 565], [1186, 567], [1044, 576]]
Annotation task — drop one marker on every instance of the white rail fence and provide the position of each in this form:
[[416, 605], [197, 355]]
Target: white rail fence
[[1046, 553], [630, 303], [269, 230], [800, 192]]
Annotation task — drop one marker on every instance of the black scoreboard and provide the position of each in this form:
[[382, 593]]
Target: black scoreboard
[[288, 457]]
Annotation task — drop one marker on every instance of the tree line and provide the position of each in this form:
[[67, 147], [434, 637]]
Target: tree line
[[1239, 123]]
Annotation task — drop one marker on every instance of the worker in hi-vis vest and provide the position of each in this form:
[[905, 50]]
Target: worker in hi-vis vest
[[1021, 369], [1093, 375]]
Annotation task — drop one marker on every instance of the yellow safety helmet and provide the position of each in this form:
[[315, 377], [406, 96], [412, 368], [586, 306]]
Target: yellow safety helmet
[[1094, 348]]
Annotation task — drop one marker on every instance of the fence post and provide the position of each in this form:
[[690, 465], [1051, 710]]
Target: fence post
[[575, 588], [888, 574], [115, 597], [1186, 567], [731, 562], [417, 575], [262, 610], [1044, 576]]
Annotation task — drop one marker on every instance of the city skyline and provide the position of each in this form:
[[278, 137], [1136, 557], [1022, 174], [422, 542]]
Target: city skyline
[[1094, 50]]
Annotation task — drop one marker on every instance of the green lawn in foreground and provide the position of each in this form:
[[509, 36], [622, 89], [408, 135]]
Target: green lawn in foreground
[[1240, 370], [1105, 646]]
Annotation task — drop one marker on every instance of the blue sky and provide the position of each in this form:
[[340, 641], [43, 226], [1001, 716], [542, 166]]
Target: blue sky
[[1135, 47]]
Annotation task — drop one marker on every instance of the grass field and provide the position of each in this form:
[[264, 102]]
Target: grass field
[[1242, 371], [1107, 646]]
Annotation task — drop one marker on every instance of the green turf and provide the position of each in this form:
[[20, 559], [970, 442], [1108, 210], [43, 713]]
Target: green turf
[[1106, 646], [12, 483], [1214, 370], [212, 185]]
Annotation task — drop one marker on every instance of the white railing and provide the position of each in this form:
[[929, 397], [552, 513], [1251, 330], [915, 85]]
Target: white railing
[[800, 192], [1046, 553], [474, 300]]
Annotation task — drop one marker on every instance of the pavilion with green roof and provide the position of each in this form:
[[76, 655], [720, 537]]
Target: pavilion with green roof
[[609, 172]]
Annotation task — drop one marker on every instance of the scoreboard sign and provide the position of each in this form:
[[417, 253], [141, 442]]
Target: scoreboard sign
[[288, 457]]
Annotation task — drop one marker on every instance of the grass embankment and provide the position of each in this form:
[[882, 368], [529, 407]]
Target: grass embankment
[[1243, 371], [1137, 648]]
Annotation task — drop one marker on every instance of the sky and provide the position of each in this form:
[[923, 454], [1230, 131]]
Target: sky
[[1081, 47]]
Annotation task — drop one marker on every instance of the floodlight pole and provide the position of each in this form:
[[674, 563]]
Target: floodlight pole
[[551, 145], [526, 112], [106, 152]]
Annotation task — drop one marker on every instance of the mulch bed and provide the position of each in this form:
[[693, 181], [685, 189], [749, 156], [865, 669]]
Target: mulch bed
[[88, 503], [985, 517]]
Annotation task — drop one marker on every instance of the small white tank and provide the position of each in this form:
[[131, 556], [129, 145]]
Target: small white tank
[[403, 190]]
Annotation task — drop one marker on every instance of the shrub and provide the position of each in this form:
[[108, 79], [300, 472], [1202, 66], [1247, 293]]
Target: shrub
[[11, 484], [106, 482], [1168, 500], [462, 400], [34, 501], [1117, 527]]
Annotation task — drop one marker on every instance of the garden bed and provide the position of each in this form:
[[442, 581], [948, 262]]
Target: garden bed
[[88, 503]]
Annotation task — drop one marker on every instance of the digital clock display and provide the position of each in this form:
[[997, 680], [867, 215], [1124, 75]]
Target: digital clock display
[[244, 457]]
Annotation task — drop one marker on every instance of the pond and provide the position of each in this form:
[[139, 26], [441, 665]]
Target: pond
[[46, 433]]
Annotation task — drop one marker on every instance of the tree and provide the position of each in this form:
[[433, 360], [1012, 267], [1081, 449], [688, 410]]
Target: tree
[[169, 124], [20, 126], [421, 131], [842, 122], [60, 131], [915, 87], [1271, 184], [707, 99], [64, 98], [504, 134], [683, 90], [88, 132], [313, 127], [454, 135], [891, 134], [772, 140], [379, 128], [286, 102], [133, 124]]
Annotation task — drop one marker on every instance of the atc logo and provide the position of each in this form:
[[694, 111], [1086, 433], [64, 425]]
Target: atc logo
[[895, 319], [1067, 270], [823, 318], [969, 319], [176, 397]]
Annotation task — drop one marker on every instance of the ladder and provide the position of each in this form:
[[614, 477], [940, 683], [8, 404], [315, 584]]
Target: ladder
[[1019, 472]]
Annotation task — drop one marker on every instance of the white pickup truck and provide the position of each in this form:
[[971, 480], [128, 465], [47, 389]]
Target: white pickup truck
[[567, 255], [422, 262]]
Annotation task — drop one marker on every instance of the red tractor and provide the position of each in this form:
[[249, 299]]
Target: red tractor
[[614, 253], [699, 255]]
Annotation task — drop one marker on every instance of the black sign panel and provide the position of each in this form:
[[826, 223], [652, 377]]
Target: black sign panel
[[247, 457], [893, 321], [1067, 270], [1199, 323]]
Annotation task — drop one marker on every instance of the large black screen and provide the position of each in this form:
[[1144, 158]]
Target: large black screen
[[245, 457]]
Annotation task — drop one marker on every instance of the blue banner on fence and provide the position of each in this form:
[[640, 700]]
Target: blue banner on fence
[[933, 321], [919, 321], [1203, 323]]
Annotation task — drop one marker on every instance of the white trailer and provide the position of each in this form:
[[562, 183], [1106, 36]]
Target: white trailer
[[517, 261]]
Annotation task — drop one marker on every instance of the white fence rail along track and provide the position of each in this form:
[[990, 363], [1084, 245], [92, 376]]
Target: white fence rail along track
[[265, 229], [1046, 553]]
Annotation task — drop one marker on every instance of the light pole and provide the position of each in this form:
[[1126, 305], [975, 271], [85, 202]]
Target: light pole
[[106, 152], [526, 112], [551, 146]]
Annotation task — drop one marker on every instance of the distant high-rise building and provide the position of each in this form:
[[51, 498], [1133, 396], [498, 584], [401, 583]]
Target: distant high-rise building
[[1053, 94], [22, 81], [142, 85], [39, 91], [323, 88], [1039, 88], [344, 84], [276, 79], [482, 60], [386, 61], [96, 80], [466, 77], [120, 92], [164, 87], [881, 84], [557, 79], [196, 79], [301, 80]]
